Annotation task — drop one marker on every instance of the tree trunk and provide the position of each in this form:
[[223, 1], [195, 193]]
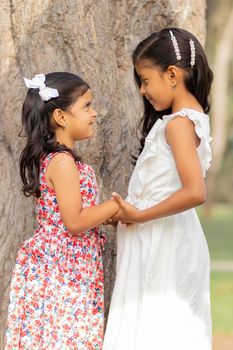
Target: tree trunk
[[94, 39]]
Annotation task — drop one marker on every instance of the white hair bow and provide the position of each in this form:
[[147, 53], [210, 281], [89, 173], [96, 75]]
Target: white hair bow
[[38, 82]]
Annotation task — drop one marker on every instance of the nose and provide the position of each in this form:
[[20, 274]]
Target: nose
[[94, 113], [142, 89]]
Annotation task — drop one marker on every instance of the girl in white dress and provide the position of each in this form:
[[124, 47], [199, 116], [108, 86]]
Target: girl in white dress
[[161, 296]]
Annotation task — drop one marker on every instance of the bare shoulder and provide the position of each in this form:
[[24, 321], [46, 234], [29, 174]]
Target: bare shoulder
[[179, 122], [61, 167], [180, 127], [61, 160]]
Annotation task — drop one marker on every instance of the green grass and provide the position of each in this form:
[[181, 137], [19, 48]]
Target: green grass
[[222, 302], [218, 230]]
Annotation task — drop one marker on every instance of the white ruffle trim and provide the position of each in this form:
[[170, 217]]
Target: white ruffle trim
[[202, 128]]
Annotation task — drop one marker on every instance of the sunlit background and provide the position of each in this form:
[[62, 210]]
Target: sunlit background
[[217, 214]]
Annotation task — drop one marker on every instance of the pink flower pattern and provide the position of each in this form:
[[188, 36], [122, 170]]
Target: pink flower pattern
[[56, 296]]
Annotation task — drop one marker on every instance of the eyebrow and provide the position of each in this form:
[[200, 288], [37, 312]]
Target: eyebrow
[[142, 77]]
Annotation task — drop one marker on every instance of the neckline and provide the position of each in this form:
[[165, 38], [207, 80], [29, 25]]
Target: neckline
[[161, 122], [186, 109]]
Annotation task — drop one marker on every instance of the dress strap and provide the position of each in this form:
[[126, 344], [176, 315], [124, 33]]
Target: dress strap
[[45, 159]]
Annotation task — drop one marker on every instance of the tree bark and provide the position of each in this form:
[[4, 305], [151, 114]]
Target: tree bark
[[94, 39]]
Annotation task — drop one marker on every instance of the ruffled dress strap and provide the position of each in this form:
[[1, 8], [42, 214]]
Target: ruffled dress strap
[[202, 129]]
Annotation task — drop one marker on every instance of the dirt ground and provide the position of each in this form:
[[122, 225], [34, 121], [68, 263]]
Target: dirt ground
[[223, 342]]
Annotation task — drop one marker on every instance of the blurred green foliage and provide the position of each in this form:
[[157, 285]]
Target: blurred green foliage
[[218, 229], [222, 302]]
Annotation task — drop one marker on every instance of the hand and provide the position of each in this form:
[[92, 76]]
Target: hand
[[127, 213], [111, 222]]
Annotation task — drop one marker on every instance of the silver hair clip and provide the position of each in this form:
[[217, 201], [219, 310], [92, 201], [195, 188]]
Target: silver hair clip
[[193, 53], [176, 46]]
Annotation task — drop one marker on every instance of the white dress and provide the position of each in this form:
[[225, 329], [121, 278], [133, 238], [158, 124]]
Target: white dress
[[161, 298]]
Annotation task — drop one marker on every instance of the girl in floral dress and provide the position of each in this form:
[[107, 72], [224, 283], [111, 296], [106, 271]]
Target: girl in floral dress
[[56, 297]]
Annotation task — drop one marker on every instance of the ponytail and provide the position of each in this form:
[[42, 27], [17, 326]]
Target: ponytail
[[199, 80]]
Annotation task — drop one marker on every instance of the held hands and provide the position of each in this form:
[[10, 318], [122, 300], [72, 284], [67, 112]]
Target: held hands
[[127, 213], [110, 222]]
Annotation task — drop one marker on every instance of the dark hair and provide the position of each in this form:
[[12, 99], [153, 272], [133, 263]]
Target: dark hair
[[39, 131], [158, 48]]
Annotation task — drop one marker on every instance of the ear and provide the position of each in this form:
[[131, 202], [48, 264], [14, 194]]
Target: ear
[[59, 117], [172, 73]]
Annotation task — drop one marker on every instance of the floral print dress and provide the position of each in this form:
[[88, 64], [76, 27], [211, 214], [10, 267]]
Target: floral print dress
[[56, 296]]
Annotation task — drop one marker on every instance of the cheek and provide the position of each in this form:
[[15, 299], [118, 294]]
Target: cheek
[[82, 129], [153, 91], [76, 128], [153, 88]]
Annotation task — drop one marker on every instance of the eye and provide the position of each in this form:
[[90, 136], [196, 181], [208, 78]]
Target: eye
[[145, 81], [87, 105]]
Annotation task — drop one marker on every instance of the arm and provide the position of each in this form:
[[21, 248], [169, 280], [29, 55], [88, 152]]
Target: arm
[[181, 137], [63, 174]]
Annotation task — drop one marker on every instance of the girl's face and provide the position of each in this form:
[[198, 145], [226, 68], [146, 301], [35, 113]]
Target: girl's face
[[81, 118], [155, 85]]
